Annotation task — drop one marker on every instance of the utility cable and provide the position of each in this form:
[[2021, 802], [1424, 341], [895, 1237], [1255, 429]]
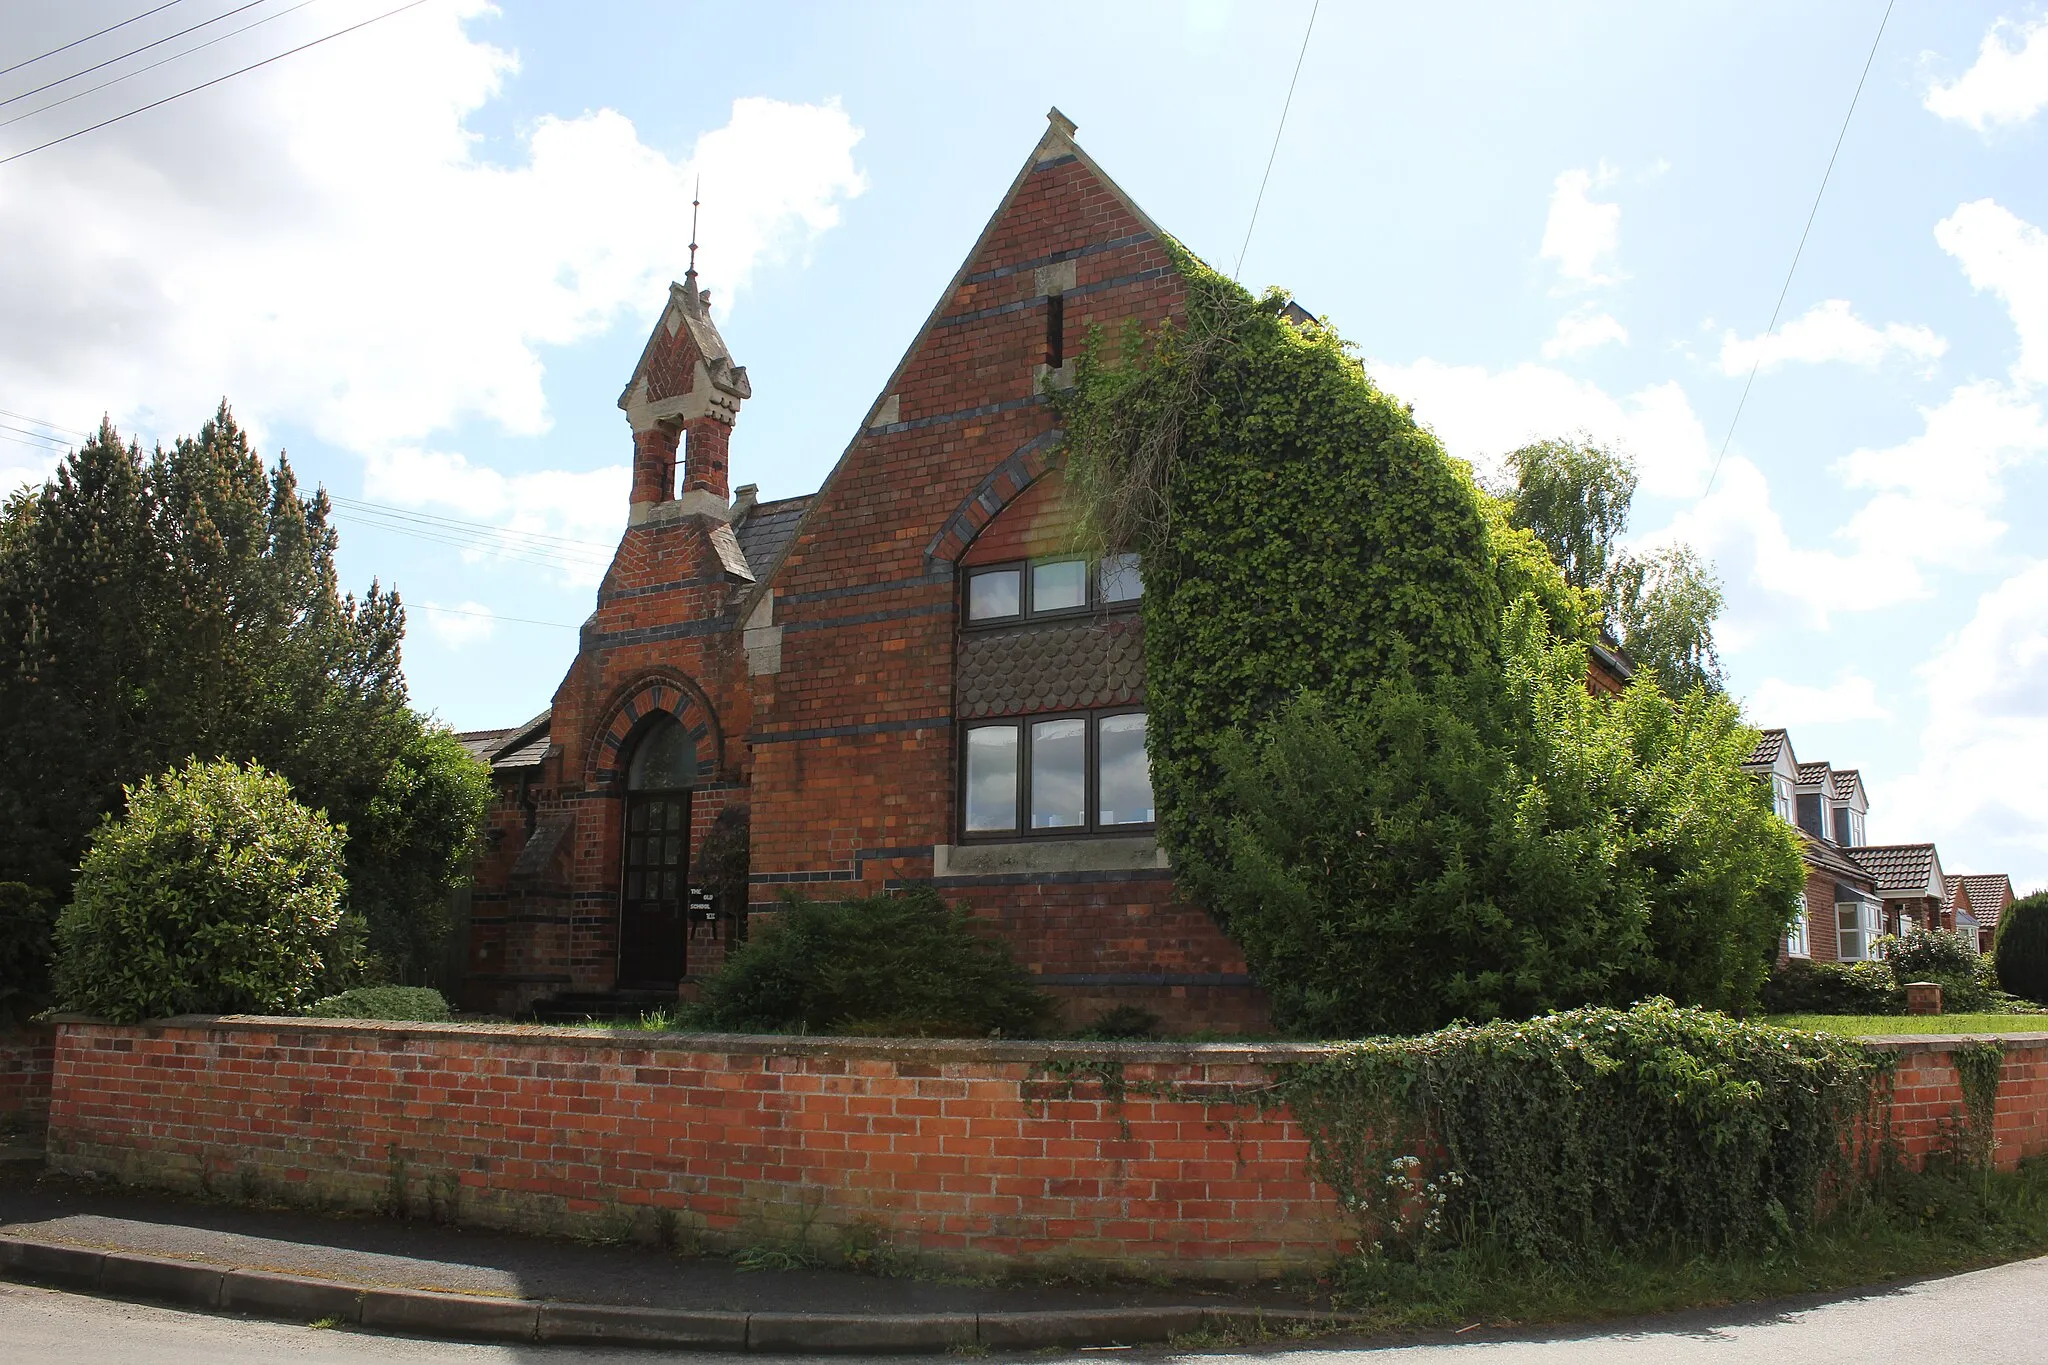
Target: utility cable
[[161, 61], [1777, 308], [204, 85], [1285, 105], [492, 616], [409, 514], [37, 421], [131, 52], [31, 61]]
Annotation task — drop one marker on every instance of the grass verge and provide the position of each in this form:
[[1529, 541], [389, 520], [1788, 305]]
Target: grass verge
[[1922, 1224], [1862, 1025]]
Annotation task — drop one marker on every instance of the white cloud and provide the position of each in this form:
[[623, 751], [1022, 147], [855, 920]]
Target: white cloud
[[1851, 697], [1583, 330], [1829, 331], [1937, 495], [1481, 415], [329, 242], [460, 625], [2009, 256], [543, 511], [2007, 84], [1581, 232], [1981, 788]]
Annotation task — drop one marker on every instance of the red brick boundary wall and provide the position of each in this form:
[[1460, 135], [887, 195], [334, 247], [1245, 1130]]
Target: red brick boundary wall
[[971, 1152], [26, 1056]]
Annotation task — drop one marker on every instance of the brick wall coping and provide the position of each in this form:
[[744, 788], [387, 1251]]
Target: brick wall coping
[[898, 1049], [749, 1044]]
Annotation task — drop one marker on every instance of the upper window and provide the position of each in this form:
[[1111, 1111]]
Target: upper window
[[1051, 587], [1796, 940], [665, 759], [1855, 828], [1050, 774], [1781, 799]]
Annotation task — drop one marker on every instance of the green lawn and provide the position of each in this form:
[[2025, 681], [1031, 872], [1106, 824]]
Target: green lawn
[[1858, 1025]]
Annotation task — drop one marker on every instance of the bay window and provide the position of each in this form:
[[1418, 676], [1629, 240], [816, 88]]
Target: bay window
[[1045, 775], [1856, 924]]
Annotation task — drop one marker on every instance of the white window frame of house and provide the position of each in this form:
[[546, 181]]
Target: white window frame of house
[[1856, 924], [1784, 800], [1855, 828], [1798, 942]]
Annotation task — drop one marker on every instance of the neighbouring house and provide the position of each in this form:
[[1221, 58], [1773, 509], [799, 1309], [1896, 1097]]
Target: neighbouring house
[[1976, 900], [1855, 892]]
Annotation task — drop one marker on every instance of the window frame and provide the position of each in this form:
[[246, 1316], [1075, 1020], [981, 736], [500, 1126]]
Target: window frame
[[1027, 608], [1091, 779], [1864, 931], [1799, 935]]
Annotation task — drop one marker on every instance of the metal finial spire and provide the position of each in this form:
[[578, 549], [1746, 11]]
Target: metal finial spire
[[693, 223]]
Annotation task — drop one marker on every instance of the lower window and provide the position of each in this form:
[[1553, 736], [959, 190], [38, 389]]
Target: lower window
[[1796, 942], [1056, 774], [1856, 925]]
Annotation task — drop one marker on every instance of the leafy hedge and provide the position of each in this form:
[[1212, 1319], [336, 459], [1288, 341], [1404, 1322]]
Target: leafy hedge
[[2020, 948], [904, 964], [410, 1004], [215, 893], [1969, 981], [1599, 1130]]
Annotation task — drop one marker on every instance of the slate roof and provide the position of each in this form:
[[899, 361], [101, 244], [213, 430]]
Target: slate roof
[[766, 530], [1766, 751], [483, 743], [1900, 869], [521, 746]]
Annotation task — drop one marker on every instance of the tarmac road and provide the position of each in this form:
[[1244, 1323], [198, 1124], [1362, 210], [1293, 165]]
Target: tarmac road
[[1998, 1315]]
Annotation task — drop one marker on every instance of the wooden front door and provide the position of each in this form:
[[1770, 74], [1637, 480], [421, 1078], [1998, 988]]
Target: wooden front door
[[655, 885]]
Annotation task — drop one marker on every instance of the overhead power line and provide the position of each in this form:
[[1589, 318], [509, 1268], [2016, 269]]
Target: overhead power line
[[410, 514], [1797, 251], [1285, 105], [131, 52], [161, 61], [491, 615], [31, 61], [205, 85], [37, 421]]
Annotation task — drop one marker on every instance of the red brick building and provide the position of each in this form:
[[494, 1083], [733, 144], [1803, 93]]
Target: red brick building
[[908, 675]]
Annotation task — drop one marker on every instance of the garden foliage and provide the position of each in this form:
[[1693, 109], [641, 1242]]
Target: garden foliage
[[1373, 752], [1799, 986], [2020, 948], [186, 603], [1968, 980], [902, 964], [26, 920], [1576, 1135], [410, 1004], [215, 893]]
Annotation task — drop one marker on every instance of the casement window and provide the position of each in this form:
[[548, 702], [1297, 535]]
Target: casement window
[[1062, 774], [1856, 924], [1007, 593], [1782, 800], [1797, 943], [1855, 827]]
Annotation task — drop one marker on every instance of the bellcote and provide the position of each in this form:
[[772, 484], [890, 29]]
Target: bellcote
[[685, 395]]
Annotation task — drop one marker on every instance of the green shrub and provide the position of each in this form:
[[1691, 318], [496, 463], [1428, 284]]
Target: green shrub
[[215, 893], [26, 921], [901, 964], [414, 1004], [2020, 948], [1950, 959], [1802, 987], [1578, 1135]]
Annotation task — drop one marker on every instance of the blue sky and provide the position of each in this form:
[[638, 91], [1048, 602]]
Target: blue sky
[[422, 258]]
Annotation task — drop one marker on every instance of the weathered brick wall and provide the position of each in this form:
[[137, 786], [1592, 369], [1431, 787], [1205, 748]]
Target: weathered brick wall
[[964, 1151], [25, 1060], [1927, 1097]]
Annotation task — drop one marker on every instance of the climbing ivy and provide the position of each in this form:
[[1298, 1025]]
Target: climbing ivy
[[1373, 756], [1978, 1064]]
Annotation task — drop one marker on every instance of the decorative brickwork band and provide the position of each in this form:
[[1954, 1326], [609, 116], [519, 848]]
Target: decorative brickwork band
[[605, 766], [1023, 468]]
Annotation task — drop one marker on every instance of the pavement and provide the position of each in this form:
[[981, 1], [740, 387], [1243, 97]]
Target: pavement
[[431, 1280], [1985, 1317]]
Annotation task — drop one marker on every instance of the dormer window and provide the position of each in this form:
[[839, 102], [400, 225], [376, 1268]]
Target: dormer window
[[1855, 823], [1782, 799]]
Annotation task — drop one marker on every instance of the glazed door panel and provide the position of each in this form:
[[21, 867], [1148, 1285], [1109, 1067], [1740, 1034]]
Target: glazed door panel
[[655, 884]]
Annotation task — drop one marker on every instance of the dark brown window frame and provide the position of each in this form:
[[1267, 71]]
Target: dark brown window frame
[[1092, 827], [1026, 611]]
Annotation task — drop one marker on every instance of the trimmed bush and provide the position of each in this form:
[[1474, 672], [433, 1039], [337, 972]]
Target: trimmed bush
[[1802, 987], [2020, 948], [215, 893], [1948, 958], [901, 965], [26, 921], [411, 1004], [1578, 1135]]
